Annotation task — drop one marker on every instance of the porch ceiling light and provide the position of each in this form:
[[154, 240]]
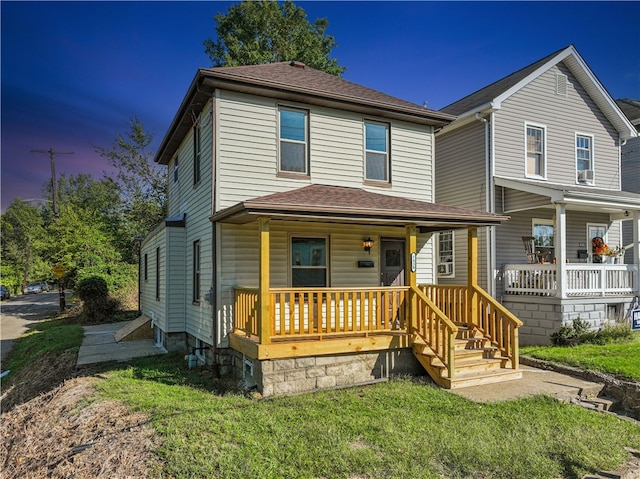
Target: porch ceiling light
[[367, 245]]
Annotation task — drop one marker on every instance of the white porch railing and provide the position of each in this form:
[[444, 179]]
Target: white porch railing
[[580, 280]]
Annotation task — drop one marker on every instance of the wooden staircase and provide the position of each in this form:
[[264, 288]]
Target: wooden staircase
[[476, 361]]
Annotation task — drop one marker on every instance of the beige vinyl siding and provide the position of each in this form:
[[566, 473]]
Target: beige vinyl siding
[[175, 280], [148, 304], [239, 265], [248, 151], [630, 182], [509, 200], [563, 117]]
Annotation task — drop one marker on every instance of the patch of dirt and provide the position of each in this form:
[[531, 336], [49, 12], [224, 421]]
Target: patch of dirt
[[53, 427]]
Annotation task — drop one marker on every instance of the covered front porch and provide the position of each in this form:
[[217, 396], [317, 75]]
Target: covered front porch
[[459, 334]]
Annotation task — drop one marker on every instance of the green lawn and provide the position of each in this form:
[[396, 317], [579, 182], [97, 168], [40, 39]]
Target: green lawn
[[619, 358], [399, 429]]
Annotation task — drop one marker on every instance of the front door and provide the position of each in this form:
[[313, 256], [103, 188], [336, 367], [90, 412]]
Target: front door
[[392, 262]]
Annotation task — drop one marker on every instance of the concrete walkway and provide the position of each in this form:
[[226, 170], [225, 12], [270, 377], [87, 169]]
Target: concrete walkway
[[534, 381], [99, 345]]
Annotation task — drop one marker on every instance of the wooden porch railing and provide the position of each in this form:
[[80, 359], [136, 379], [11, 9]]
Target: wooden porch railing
[[298, 313], [481, 311], [582, 280], [321, 312], [436, 330]]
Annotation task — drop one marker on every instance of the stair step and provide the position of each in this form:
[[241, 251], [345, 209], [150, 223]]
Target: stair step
[[479, 378]]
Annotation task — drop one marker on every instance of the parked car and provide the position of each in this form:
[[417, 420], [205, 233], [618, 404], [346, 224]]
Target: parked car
[[34, 288], [4, 293]]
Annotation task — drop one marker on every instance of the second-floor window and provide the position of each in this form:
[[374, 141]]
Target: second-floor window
[[584, 158], [376, 151], [445, 254], [175, 170], [294, 141], [197, 154], [535, 151]]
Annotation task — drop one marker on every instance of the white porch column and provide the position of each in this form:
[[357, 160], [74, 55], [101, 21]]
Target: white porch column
[[636, 248], [560, 239]]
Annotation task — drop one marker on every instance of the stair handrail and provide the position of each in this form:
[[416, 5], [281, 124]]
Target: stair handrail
[[444, 351], [509, 345]]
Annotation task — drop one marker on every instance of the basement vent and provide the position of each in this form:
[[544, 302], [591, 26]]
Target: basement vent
[[561, 84]]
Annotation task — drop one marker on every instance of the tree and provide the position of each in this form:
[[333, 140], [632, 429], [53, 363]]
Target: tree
[[256, 32], [23, 235], [142, 184]]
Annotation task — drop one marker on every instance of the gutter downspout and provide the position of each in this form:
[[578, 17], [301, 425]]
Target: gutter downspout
[[488, 133], [214, 240]]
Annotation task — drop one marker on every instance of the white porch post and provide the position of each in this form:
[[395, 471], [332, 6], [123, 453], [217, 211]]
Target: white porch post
[[561, 249], [636, 248]]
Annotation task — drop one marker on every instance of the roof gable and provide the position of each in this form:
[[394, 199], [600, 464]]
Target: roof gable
[[491, 97]]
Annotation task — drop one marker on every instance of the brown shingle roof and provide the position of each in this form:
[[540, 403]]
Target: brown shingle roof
[[294, 82], [349, 205]]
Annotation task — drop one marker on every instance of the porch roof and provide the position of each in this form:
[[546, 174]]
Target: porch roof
[[336, 204], [580, 197]]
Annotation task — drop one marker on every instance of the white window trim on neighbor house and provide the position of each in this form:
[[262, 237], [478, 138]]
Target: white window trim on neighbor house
[[197, 154], [373, 152], [196, 271], [543, 153], [283, 141], [446, 257], [551, 249], [585, 178]]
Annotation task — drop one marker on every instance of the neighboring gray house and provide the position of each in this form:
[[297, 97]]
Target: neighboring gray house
[[543, 146], [630, 165], [299, 250]]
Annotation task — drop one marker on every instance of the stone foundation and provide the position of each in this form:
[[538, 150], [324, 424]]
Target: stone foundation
[[297, 375], [544, 316]]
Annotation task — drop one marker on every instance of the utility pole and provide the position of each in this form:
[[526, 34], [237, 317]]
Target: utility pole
[[54, 183], [59, 270]]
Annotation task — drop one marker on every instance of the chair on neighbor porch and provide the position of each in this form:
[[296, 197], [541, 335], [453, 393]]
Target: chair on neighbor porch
[[530, 250]]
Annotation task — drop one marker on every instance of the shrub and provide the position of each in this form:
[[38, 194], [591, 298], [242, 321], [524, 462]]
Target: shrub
[[97, 305], [569, 335], [578, 333]]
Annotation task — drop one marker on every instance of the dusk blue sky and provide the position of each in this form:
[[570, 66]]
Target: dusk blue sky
[[74, 73]]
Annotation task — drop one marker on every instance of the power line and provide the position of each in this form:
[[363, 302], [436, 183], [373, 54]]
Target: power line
[[54, 183]]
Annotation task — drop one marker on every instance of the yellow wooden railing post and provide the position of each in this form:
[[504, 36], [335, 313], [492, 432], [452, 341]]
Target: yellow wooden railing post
[[472, 275], [264, 313], [410, 268]]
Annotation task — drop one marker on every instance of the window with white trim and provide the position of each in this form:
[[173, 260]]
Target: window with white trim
[[535, 151], [197, 154], [175, 170], [294, 141], [584, 158], [446, 254], [309, 262], [543, 239], [377, 151]]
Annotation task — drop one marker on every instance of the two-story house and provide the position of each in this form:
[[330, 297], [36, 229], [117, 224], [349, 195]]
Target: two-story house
[[298, 250], [543, 146]]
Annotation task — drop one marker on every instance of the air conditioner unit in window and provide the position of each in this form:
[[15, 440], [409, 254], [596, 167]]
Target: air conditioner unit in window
[[445, 269], [585, 176]]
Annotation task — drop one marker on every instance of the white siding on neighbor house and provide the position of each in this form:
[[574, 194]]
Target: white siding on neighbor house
[[239, 265], [247, 152], [563, 118], [149, 305]]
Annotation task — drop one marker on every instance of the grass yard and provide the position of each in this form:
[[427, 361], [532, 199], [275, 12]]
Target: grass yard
[[617, 358], [399, 429]]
